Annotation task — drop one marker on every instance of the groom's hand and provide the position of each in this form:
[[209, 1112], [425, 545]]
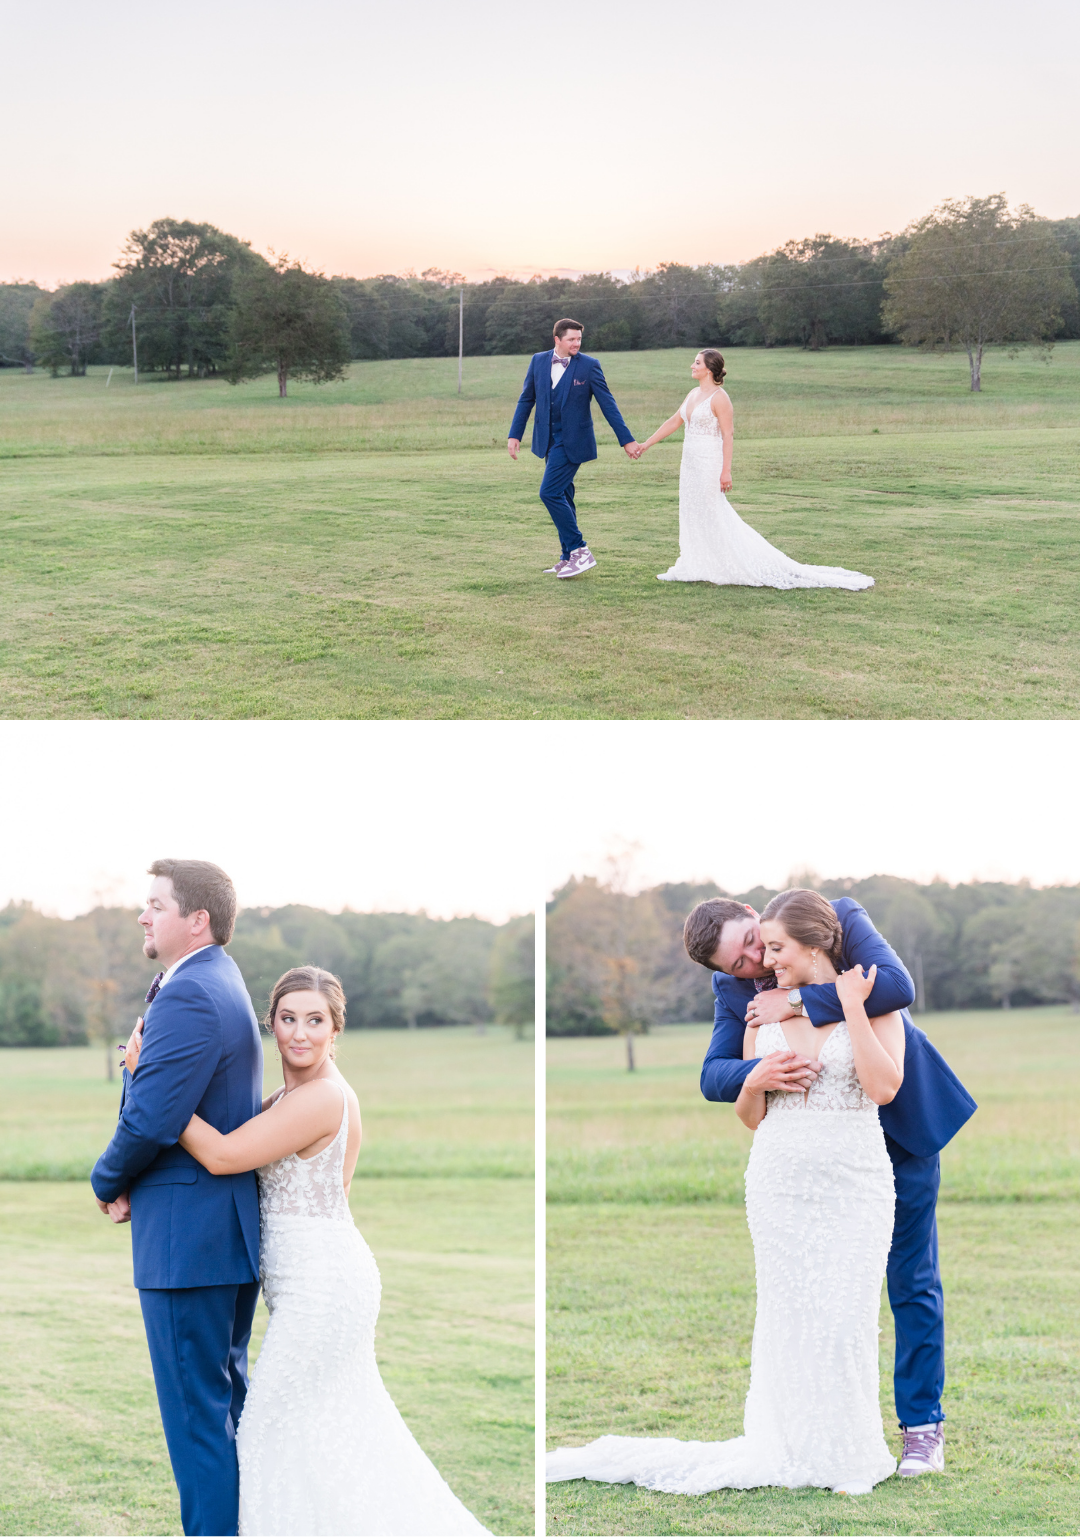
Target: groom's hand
[[119, 1210], [783, 1072], [513, 444], [632, 449], [769, 1007]]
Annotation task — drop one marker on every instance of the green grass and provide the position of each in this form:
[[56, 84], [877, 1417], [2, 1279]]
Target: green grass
[[81, 1449], [651, 1286], [368, 550]]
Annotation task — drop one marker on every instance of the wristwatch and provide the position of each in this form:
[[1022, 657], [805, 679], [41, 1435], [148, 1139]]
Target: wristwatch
[[794, 999]]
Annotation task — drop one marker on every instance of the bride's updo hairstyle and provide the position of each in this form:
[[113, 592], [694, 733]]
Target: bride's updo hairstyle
[[714, 362], [310, 979], [809, 920]]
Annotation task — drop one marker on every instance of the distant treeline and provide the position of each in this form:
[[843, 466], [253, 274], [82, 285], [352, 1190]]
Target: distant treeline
[[616, 962], [186, 282], [66, 981]]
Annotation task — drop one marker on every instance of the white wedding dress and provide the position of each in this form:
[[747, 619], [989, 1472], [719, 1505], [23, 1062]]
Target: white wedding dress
[[819, 1204], [715, 545], [323, 1451]]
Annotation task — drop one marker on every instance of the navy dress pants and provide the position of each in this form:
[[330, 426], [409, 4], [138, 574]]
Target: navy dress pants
[[198, 1338], [915, 1294], [557, 495]]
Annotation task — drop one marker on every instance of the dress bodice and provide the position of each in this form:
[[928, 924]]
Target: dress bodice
[[836, 1087], [701, 421], [308, 1187]]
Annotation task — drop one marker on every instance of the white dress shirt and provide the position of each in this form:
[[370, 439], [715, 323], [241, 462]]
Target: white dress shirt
[[557, 370], [175, 967]]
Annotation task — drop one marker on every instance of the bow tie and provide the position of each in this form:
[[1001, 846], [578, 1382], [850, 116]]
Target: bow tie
[[762, 984], [562, 362], [154, 987]]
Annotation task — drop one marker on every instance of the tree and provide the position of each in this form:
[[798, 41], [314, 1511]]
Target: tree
[[180, 276], [288, 321], [976, 275], [511, 976], [16, 302], [820, 290], [65, 326]]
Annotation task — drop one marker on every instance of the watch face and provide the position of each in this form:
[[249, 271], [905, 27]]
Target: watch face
[[794, 997]]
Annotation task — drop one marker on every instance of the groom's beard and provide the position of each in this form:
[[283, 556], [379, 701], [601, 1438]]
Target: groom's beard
[[150, 950]]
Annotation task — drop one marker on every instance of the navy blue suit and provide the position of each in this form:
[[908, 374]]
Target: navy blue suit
[[929, 1109], [194, 1235], [563, 431]]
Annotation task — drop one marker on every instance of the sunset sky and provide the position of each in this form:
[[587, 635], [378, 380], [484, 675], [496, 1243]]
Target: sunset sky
[[483, 138], [491, 817]]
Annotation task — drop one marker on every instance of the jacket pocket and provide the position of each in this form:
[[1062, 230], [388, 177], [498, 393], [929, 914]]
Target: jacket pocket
[[168, 1174]]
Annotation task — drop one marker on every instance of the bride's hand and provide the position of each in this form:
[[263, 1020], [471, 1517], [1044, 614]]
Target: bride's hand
[[853, 987], [725, 483], [134, 1047]]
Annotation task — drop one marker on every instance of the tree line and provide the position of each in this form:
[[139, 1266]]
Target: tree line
[[616, 962], [198, 302], [65, 982]]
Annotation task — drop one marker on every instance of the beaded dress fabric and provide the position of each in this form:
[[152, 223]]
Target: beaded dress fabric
[[323, 1451], [715, 545], [819, 1204]]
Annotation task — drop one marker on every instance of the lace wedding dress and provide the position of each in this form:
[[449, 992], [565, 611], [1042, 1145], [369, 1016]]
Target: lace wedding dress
[[715, 545], [819, 1203], [321, 1447]]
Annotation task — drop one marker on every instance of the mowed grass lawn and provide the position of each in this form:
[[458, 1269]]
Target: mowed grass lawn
[[651, 1286], [81, 1448], [367, 549]]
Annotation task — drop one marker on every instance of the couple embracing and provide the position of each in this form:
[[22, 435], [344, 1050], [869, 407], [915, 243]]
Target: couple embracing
[[226, 1190], [715, 545], [850, 1106]]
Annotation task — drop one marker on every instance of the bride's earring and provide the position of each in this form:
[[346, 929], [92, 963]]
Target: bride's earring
[[814, 954]]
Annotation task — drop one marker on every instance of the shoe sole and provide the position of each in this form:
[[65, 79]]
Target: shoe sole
[[918, 1472]]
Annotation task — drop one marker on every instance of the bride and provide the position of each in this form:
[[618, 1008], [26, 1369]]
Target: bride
[[715, 545], [819, 1204], [321, 1447]]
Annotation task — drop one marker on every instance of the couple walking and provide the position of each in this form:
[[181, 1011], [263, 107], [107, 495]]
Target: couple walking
[[226, 1190], [850, 1106], [715, 545]]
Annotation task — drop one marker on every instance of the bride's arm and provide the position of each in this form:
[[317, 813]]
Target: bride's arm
[[725, 416], [876, 1044], [750, 1105], [672, 424], [300, 1119]]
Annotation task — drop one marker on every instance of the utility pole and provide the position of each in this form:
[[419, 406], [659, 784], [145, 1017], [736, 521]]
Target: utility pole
[[460, 334], [134, 344]]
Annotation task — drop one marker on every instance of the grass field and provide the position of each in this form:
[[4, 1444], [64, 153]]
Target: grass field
[[651, 1286], [449, 1215], [368, 550]]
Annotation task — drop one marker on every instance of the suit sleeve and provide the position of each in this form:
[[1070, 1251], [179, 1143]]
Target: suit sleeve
[[524, 406], [181, 1049], [606, 401], [863, 946], [723, 1070]]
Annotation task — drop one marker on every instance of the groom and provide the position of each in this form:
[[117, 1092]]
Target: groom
[[929, 1109], [561, 384], [194, 1236]]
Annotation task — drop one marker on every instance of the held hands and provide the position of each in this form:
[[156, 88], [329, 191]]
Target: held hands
[[853, 987], [782, 1072], [119, 1210], [633, 450], [769, 1007]]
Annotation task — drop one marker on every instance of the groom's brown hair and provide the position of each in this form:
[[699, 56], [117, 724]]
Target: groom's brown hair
[[702, 929], [199, 886], [562, 326]]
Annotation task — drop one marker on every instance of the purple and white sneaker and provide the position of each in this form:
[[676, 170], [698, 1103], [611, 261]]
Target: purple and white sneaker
[[556, 568], [579, 560], [924, 1450]]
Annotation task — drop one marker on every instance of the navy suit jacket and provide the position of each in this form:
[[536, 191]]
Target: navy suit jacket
[[583, 379], [201, 1054], [931, 1104]]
